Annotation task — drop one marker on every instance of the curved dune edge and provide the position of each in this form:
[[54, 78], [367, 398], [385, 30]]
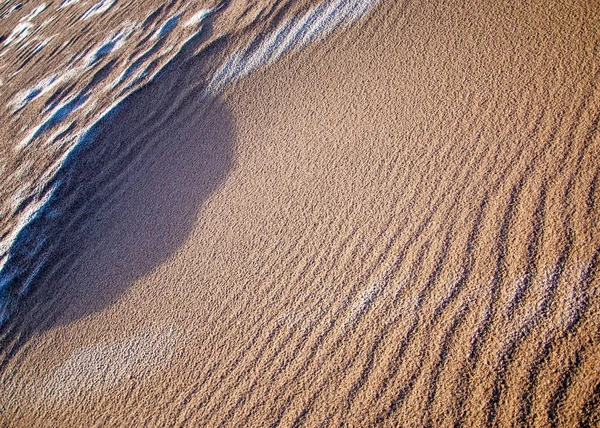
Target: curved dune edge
[[404, 231], [27, 247]]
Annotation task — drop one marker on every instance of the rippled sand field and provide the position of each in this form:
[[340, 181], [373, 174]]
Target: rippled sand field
[[349, 213]]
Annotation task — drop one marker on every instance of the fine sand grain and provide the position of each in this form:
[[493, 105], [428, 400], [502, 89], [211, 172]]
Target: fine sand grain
[[397, 225]]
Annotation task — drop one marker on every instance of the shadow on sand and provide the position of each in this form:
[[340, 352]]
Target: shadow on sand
[[143, 214], [128, 199]]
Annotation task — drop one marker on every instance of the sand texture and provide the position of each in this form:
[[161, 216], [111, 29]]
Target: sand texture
[[350, 213]]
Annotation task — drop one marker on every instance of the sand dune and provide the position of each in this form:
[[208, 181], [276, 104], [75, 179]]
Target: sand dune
[[396, 225]]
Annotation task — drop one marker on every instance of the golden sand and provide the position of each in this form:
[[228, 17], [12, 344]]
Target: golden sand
[[396, 226]]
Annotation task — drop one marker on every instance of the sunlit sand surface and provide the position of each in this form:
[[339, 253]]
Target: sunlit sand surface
[[350, 213]]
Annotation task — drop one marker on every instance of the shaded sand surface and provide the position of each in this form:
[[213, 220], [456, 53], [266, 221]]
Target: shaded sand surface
[[396, 226]]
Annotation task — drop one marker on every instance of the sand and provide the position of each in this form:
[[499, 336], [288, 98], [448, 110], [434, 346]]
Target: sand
[[394, 226]]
